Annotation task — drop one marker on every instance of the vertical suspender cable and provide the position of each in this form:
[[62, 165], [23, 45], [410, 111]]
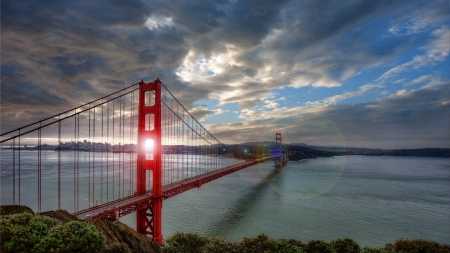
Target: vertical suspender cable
[[130, 144], [101, 161], [39, 168], [131, 140], [196, 148], [120, 144], [93, 163], [78, 162], [89, 157], [184, 148], [192, 146], [74, 162], [113, 154], [14, 170], [172, 139], [123, 145], [178, 145], [59, 164], [187, 147], [172, 125], [19, 166], [164, 137], [107, 155]]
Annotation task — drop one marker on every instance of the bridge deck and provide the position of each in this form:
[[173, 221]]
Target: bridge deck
[[115, 209]]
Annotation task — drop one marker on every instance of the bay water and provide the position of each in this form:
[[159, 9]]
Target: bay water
[[371, 199]]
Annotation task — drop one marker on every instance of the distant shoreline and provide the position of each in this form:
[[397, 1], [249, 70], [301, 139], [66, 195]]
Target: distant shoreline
[[297, 153], [300, 153]]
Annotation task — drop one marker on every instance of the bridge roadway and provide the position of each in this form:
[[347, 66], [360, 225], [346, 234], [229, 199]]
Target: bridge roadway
[[118, 208]]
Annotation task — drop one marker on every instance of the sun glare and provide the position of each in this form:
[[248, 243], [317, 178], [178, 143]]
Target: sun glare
[[149, 144]]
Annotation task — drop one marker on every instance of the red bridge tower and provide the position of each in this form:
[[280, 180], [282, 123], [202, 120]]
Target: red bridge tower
[[149, 220]]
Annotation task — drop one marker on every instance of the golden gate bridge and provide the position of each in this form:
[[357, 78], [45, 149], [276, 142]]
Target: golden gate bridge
[[125, 152]]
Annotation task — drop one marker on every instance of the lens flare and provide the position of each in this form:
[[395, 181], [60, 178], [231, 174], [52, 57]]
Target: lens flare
[[149, 145]]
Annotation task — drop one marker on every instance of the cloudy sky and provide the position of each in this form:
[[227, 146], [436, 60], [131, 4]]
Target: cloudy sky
[[354, 73]]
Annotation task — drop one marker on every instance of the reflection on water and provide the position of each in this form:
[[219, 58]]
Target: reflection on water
[[87, 178], [373, 200]]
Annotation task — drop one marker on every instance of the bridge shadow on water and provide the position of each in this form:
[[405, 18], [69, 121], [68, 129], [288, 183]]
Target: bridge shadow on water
[[245, 205]]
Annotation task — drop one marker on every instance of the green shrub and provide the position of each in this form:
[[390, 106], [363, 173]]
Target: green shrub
[[262, 243], [295, 243], [34, 233], [218, 245], [374, 250], [182, 243], [23, 232], [318, 246], [73, 236], [186, 243], [345, 246], [419, 246], [389, 247]]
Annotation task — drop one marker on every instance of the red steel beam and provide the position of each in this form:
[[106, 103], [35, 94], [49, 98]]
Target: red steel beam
[[145, 202], [149, 219]]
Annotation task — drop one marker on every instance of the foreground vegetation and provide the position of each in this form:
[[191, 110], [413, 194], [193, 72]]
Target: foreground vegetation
[[59, 231], [181, 242]]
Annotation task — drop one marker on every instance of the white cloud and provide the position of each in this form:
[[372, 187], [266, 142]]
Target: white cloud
[[420, 79], [156, 22], [436, 52], [435, 83], [310, 106], [271, 104], [400, 81], [196, 67], [414, 26]]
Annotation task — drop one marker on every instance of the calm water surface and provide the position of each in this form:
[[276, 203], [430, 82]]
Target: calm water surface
[[373, 200]]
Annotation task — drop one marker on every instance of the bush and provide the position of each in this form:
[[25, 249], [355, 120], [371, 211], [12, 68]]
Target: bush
[[374, 250], [218, 245], [419, 246], [318, 246], [262, 243], [186, 243], [23, 232], [181, 242], [73, 236], [34, 233], [345, 246]]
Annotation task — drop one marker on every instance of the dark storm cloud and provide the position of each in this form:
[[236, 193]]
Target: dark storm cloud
[[41, 15], [57, 54], [199, 17], [73, 46], [207, 46], [345, 30], [29, 95], [236, 73], [249, 22]]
